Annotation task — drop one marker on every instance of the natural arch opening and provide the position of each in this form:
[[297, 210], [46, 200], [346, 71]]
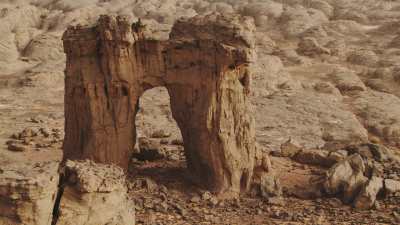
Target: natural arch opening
[[158, 155], [158, 135]]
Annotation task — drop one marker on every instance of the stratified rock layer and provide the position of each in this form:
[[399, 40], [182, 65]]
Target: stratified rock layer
[[204, 66], [27, 193]]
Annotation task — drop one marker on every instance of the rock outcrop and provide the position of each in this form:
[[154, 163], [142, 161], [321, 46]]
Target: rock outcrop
[[347, 178], [204, 66], [27, 193], [93, 194], [359, 178]]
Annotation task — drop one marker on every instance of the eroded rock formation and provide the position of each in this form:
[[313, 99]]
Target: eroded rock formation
[[204, 66], [28, 197], [94, 194]]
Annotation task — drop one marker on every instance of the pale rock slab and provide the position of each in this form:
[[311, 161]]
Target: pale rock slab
[[94, 194], [28, 193]]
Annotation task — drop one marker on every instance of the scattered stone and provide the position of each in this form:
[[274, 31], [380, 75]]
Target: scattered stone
[[28, 193], [160, 134], [35, 120], [380, 152], [277, 200], [270, 186], [206, 196], [214, 201], [150, 185], [337, 156], [288, 149], [180, 209], [45, 132], [314, 157], [177, 142], [195, 199], [310, 47], [396, 217], [17, 147], [27, 133], [346, 177], [363, 57], [149, 150], [347, 81]]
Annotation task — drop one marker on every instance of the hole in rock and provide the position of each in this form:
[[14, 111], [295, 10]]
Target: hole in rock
[[158, 156]]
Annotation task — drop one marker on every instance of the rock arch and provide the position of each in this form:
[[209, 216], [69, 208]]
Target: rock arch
[[203, 65]]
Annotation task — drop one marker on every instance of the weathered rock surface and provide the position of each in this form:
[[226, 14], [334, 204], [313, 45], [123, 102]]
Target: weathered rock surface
[[392, 186], [311, 47], [291, 114], [204, 66], [346, 81], [94, 194], [380, 114], [347, 178], [28, 193], [359, 178], [367, 196]]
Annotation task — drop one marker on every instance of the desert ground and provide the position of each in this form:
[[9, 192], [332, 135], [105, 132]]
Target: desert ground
[[325, 93]]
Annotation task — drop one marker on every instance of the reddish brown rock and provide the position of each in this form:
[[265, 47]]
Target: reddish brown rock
[[204, 66]]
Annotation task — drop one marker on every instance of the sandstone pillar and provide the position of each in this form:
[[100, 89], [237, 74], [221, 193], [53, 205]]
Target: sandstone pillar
[[208, 81], [102, 91]]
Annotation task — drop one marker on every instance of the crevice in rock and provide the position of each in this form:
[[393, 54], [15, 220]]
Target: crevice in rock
[[56, 206]]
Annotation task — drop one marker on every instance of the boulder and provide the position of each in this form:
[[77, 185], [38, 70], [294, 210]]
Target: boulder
[[315, 157], [149, 149], [346, 80], [270, 186], [363, 57], [346, 177], [94, 194], [289, 149], [391, 186], [367, 196], [310, 47], [160, 134]]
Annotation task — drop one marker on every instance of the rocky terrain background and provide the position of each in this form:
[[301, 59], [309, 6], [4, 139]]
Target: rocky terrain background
[[325, 86]]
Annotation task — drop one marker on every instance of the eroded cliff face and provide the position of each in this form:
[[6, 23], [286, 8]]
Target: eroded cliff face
[[204, 66]]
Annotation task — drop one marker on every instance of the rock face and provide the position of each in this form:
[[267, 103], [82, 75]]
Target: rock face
[[27, 197], [204, 66], [94, 194]]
